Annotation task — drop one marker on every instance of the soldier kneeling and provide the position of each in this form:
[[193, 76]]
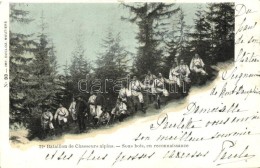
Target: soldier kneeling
[[104, 118], [120, 111]]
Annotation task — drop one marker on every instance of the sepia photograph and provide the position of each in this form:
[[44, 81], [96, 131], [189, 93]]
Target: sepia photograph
[[75, 68]]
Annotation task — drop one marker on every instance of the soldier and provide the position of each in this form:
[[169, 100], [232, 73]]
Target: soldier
[[149, 78], [72, 110], [183, 72], [159, 85], [197, 65], [159, 88], [173, 74], [135, 88], [148, 82], [62, 115], [99, 106], [120, 110], [46, 121], [105, 118], [124, 93], [81, 109], [91, 102]]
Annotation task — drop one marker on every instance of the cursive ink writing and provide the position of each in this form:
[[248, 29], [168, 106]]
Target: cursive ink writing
[[92, 156], [130, 157], [183, 155], [244, 56], [244, 27], [193, 108], [230, 154], [162, 121], [231, 134], [238, 90], [140, 137], [231, 120], [183, 136], [57, 155], [241, 9], [233, 75]]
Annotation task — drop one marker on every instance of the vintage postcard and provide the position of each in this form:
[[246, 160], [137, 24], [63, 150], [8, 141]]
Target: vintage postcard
[[127, 84]]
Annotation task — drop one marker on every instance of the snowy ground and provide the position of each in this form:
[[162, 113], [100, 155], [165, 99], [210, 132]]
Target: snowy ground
[[18, 137]]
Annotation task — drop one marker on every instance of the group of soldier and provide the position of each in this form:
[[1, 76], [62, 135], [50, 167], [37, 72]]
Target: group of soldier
[[95, 109]]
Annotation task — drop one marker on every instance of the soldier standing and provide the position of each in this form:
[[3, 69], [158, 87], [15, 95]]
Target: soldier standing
[[135, 88], [99, 106], [72, 110], [61, 115], [81, 109], [92, 108], [159, 88], [148, 81]]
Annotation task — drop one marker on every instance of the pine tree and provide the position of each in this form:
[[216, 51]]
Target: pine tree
[[60, 94], [183, 37], [66, 69], [79, 68], [121, 56], [53, 60], [113, 60], [43, 74], [221, 18], [112, 64], [151, 18], [177, 41], [21, 55], [201, 36]]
